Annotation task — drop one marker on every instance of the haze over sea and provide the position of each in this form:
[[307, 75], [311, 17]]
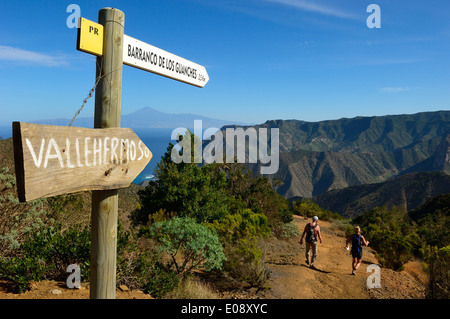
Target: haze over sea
[[156, 139]]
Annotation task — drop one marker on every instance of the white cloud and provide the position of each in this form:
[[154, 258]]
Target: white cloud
[[8, 53], [313, 6], [390, 89]]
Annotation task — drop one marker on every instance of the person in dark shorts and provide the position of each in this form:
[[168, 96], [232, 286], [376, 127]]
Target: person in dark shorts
[[357, 241]]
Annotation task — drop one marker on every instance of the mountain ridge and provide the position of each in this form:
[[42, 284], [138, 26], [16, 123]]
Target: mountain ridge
[[317, 157], [147, 117], [409, 191]]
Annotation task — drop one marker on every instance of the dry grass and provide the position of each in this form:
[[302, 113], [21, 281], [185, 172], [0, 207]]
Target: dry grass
[[192, 288]]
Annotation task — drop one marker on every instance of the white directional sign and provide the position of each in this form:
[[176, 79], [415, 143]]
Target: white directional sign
[[149, 58]]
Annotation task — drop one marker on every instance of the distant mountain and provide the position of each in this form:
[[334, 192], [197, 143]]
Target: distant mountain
[[439, 161], [316, 157], [408, 191], [432, 206], [148, 118]]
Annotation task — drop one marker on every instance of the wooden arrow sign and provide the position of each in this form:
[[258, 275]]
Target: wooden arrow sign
[[53, 160]]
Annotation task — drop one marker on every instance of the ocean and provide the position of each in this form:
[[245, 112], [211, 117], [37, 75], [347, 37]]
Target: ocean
[[156, 139]]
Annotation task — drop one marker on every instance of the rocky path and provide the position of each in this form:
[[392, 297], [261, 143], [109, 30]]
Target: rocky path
[[331, 277]]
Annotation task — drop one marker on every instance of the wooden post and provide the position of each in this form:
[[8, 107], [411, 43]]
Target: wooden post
[[107, 114]]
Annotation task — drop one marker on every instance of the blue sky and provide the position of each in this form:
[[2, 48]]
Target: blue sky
[[266, 59]]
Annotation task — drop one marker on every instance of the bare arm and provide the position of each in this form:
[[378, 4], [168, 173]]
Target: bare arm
[[303, 235], [348, 240], [366, 242], [319, 235], [304, 231]]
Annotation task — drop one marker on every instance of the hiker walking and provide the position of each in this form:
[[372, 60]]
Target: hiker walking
[[357, 240], [312, 232]]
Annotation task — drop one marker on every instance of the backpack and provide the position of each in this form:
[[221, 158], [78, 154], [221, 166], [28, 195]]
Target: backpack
[[356, 243], [310, 234]]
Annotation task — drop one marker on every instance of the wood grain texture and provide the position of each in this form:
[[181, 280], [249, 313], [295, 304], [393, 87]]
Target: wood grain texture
[[108, 93], [104, 214], [52, 160], [105, 209]]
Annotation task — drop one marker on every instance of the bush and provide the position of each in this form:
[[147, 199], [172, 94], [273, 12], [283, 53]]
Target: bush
[[138, 267], [285, 230], [391, 234], [241, 234], [198, 245], [46, 255], [393, 249], [18, 220], [185, 190], [438, 261], [21, 271], [254, 192], [307, 208], [241, 207], [433, 228], [161, 282], [208, 193], [349, 230]]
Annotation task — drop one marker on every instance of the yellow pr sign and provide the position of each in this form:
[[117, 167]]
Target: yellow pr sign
[[90, 37]]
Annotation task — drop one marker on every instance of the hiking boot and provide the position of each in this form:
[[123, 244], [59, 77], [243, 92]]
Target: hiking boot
[[354, 272], [307, 261]]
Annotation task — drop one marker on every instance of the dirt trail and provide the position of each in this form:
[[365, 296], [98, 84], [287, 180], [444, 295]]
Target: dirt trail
[[331, 277], [290, 277]]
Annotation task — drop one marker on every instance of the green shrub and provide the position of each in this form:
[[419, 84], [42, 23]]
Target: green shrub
[[241, 234], [46, 255], [307, 208], [390, 233], [18, 220], [438, 261], [138, 267], [285, 230], [21, 271], [393, 249], [185, 189], [434, 228], [161, 282], [198, 245], [349, 230]]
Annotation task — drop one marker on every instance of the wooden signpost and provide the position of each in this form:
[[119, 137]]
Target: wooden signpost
[[60, 160], [52, 160]]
